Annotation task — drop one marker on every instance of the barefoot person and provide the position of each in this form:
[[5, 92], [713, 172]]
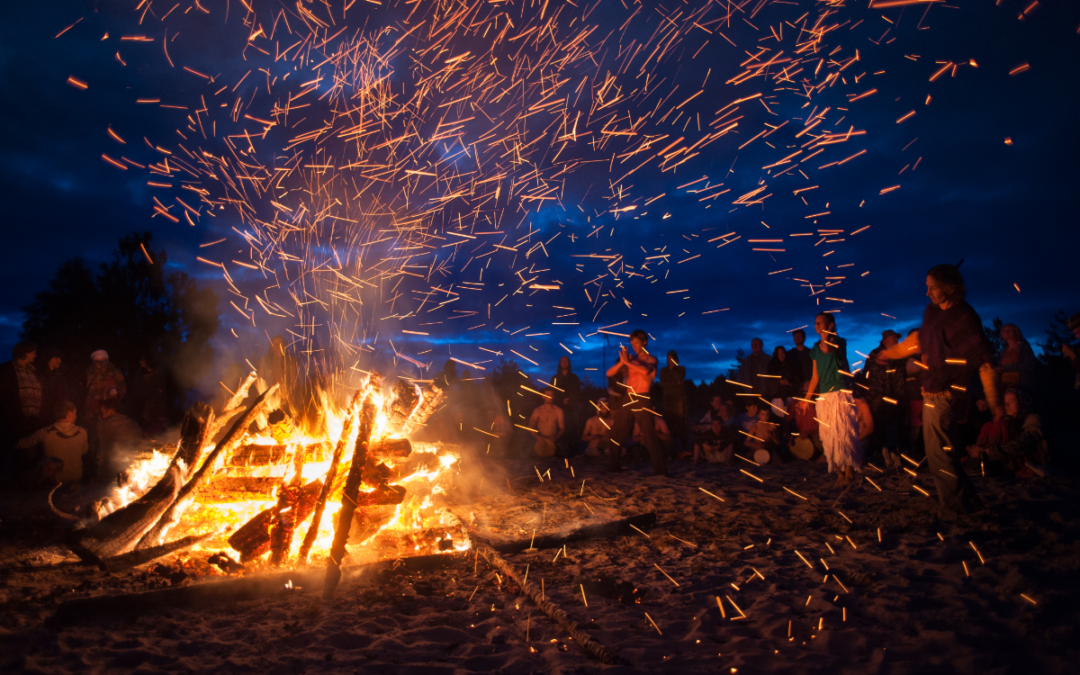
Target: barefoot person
[[549, 422], [835, 408], [953, 346], [640, 370]]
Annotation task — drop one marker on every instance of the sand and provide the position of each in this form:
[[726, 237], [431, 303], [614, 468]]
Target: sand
[[856, 604]]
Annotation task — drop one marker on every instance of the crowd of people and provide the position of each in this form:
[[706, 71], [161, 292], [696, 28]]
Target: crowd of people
[[938, 395]]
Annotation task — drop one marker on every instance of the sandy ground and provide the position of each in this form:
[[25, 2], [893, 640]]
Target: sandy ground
[[805, 586]]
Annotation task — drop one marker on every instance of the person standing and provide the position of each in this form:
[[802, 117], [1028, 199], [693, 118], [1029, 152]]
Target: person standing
[[20, 403], [953, 348], [569, 383], [548, 424], [755, 363], [54, 385], [672, 377], [640, 371], [1017, 366], [802, 364], [835, 407], [886, 392], [117, 436], [103, 380]]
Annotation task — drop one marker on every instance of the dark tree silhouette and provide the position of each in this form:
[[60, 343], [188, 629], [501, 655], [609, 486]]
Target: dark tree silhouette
[[129, 308], [993, 334]]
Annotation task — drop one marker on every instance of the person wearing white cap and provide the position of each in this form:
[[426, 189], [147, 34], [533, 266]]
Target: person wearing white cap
[[103, 380]]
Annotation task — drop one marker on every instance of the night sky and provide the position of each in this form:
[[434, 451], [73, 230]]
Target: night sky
[[1007, 210]]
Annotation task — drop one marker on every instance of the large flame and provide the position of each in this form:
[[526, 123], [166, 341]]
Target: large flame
[[418, 525]]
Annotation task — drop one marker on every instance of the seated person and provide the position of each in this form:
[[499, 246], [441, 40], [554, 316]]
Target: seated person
[[747, 420], [717, 409], [715, 446], [550, 424], [64, 444], [1014, 439], [597, 430], [804, 428], [763, 434], [118, 435]]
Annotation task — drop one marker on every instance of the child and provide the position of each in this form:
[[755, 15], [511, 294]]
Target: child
[[835, 407]]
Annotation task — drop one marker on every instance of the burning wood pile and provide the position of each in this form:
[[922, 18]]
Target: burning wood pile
[[247, 478]]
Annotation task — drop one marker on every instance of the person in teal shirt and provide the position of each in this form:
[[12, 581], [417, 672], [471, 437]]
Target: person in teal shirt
[[835, 407]]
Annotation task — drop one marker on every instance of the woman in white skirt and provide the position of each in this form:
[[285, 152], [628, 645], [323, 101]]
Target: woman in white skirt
[[839, 426]]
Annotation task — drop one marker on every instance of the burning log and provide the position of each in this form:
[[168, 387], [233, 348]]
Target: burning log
[[238, 489], [401, 406], [141, 556], [121, 530], [352, 489], [331, 473], [432, 401], [253, 539], [287, 515], [209, 467], [268, 455], [382, 495], [395, 448]]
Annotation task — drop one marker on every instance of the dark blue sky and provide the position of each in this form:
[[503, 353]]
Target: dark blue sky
[[1007, 210]]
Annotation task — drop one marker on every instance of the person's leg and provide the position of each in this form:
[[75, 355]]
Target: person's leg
[[646, 421], [622, 426], [956, 492]]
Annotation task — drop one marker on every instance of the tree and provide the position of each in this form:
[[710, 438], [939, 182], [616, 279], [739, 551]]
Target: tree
[[1057, 334], [129, 308], [733, 370], [993, 334]]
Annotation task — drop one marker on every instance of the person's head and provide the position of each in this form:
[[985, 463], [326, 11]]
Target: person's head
[[752, 408], [549, 395], [825, 324], [1011, 334], [715, 402], [799, 336], [723, 411], [639, 340], [65, 412], [945, 286], [564, 364], [109, 407], [982, 405], [672, 358], [24, 352], [148, 362], [779, 353], [1017, 403], [51, 357], [717, 425], [756, 345], [763, 414], [99, 358], [889, 338], [602, 408]]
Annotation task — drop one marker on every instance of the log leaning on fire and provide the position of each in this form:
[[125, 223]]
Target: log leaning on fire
[[433, 400], [252, 540], [328, 480], [209, 467], [352, 489], [287, 515], [122, 529], [232, 406]]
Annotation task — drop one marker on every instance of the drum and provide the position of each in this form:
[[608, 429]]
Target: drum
[[762, 456], [803, 448]]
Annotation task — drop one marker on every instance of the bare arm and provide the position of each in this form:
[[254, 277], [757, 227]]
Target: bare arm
[[901, 350], [644, 364], [614, 370], [989, 378], [533, 419]]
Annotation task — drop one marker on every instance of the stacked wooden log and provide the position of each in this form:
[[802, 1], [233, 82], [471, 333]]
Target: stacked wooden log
[[215, 462]]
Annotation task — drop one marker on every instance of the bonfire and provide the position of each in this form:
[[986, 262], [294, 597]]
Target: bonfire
[[254, 485]]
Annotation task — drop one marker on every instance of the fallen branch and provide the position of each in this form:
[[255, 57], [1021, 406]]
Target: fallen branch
[[231, 590], [613, 528], [145, 555], [549, 608]]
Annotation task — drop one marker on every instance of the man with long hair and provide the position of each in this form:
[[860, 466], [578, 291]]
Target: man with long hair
[[953, 346]]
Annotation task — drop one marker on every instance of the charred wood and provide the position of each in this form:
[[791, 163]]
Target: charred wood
[[432, 401], [122, 529], [253, 539]]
